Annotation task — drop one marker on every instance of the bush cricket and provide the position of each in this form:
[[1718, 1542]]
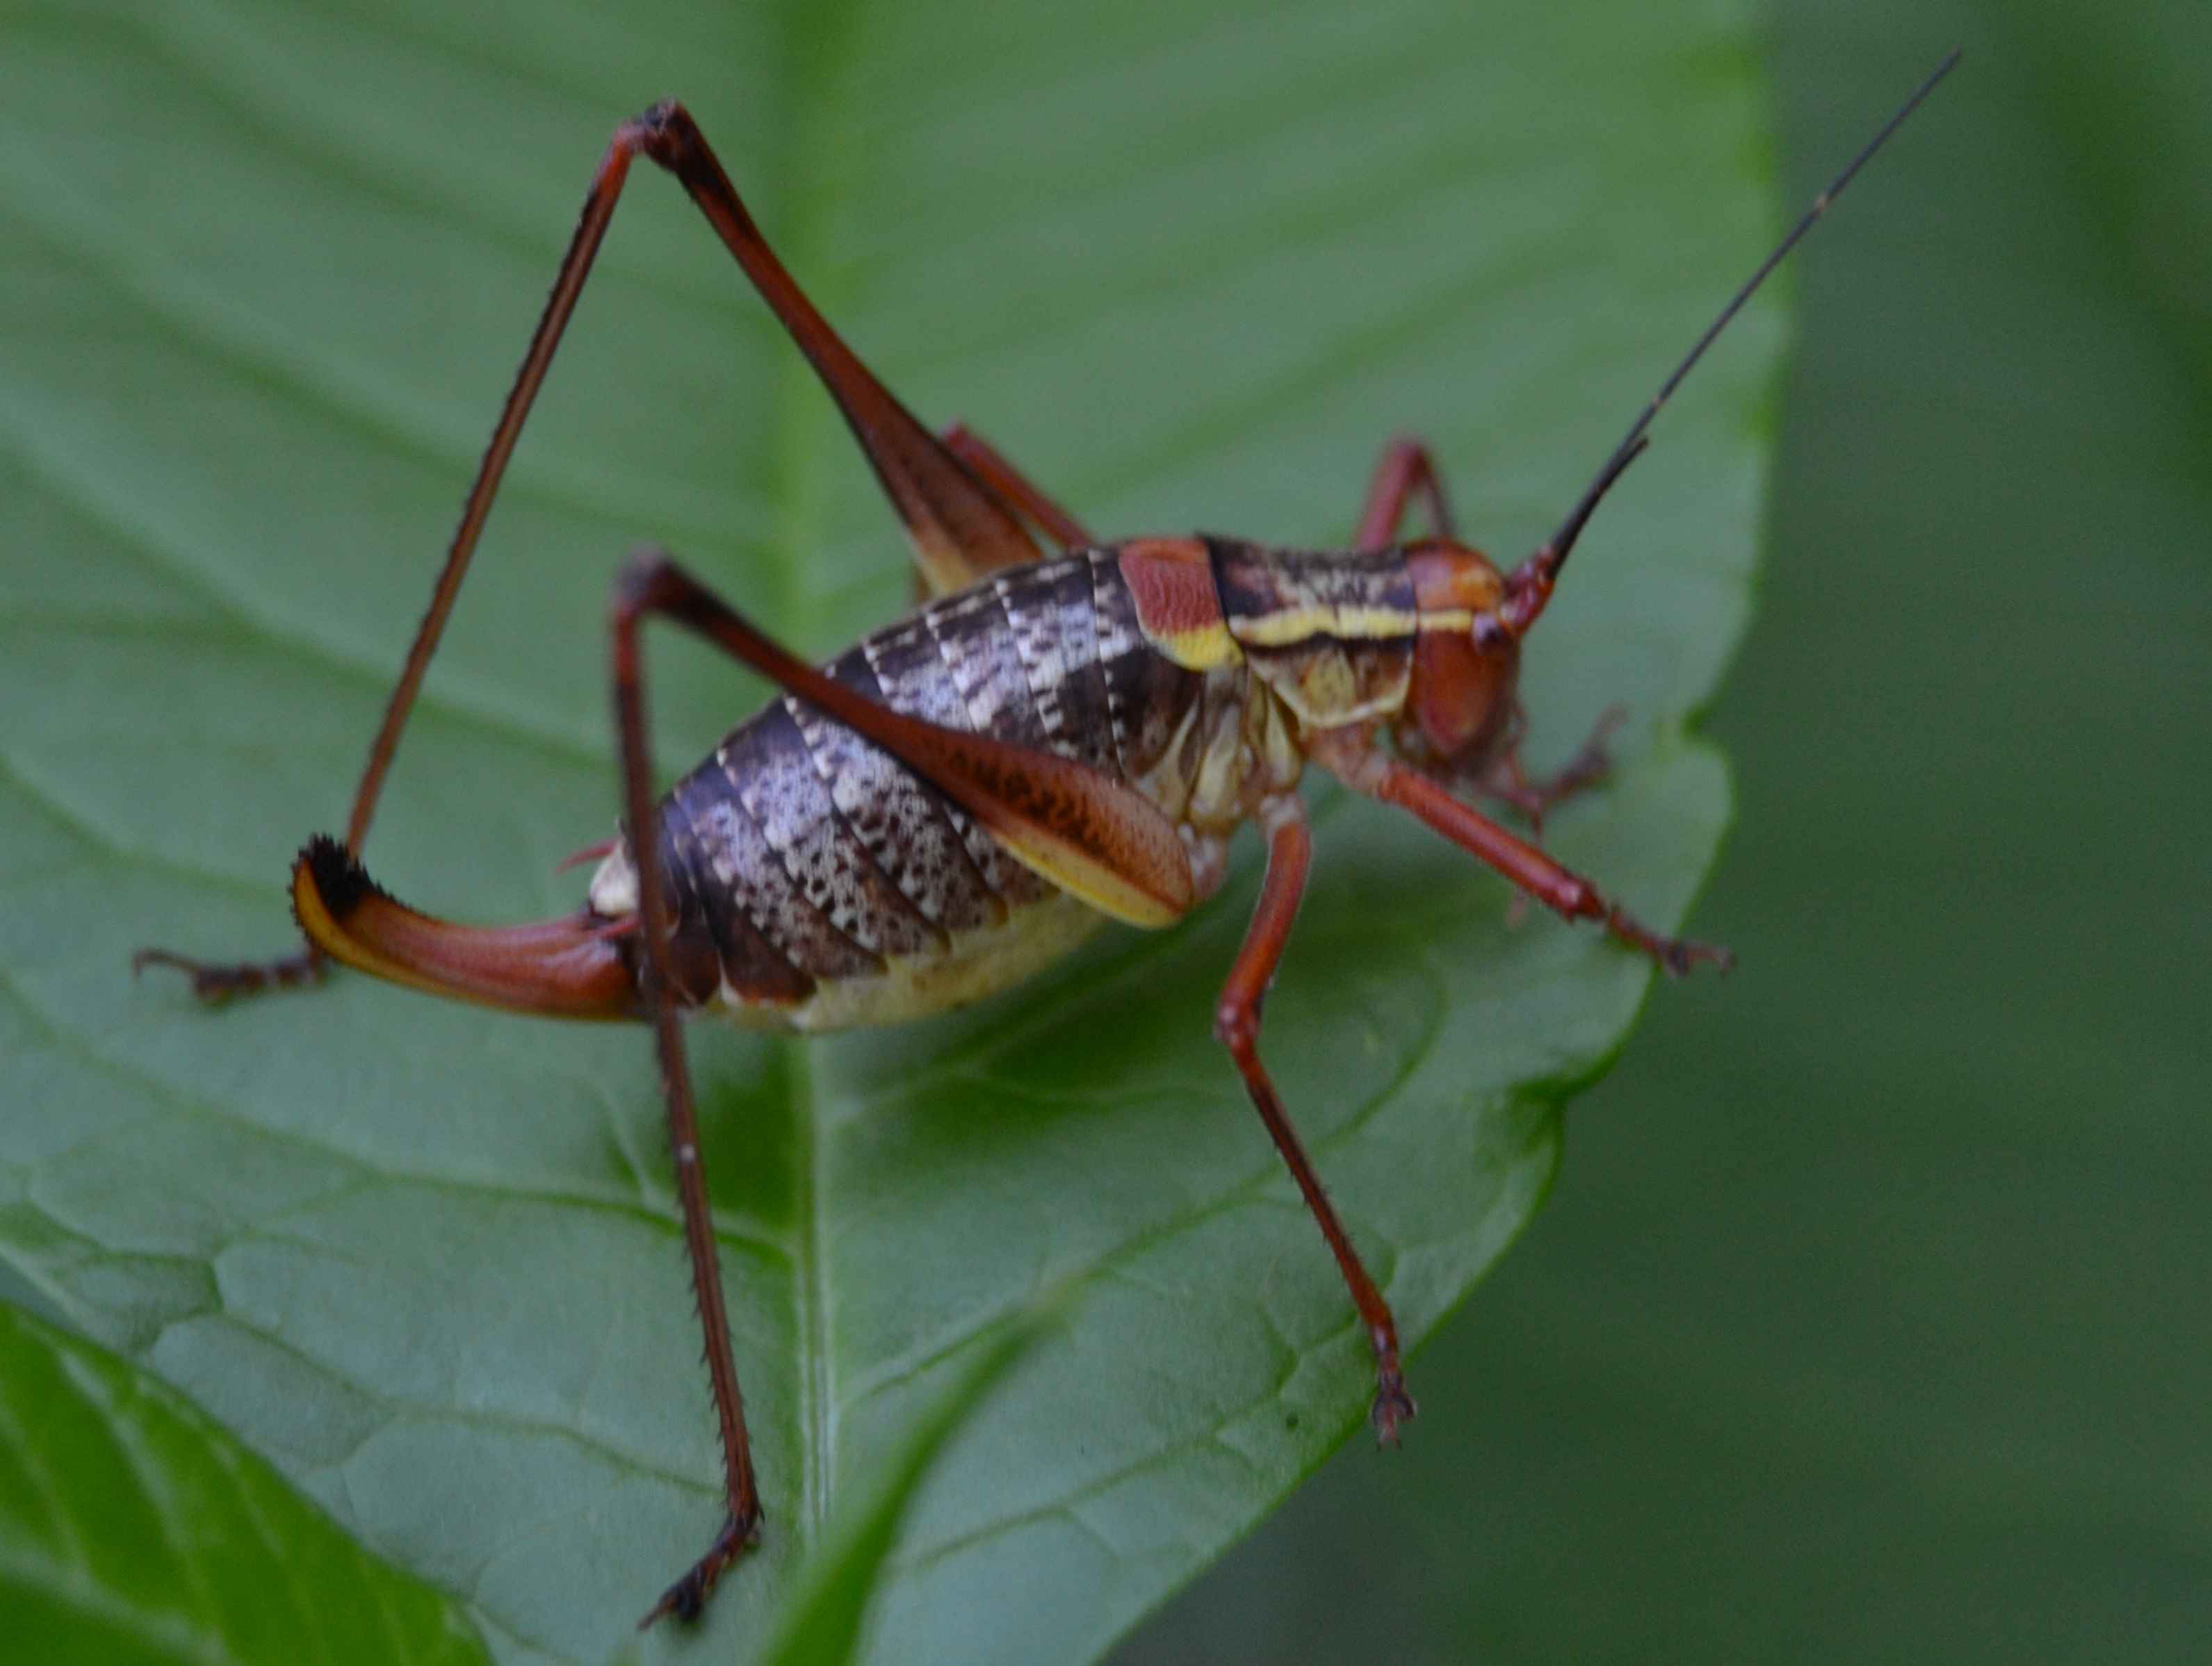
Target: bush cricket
[[1049, 742]]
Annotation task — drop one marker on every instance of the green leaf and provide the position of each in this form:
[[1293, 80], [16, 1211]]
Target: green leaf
[[132, 1529], [267, 271], [821, 1622]]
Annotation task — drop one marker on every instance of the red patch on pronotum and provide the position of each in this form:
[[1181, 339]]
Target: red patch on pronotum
[[1171, 582]]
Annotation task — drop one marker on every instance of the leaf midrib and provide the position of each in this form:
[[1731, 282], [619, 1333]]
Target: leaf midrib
[[801, 433]]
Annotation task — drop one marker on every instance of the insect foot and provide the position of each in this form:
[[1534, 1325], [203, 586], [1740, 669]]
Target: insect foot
[[687, 1597], [1675, 956], [215, 983], [1678, 954], [1392, 1407]]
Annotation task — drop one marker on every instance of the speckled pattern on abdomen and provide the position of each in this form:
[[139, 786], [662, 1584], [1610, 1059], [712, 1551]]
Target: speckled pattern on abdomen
[[799, 853]]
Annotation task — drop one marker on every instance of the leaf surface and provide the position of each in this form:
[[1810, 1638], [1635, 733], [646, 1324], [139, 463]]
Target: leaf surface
[[134, 1530], [821, 1621], [269, 268]]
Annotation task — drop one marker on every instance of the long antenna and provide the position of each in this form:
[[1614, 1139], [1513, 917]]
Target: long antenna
[[1529, 585]]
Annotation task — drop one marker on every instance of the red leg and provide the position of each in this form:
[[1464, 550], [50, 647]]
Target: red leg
[[1091, 832], [1510, 784], [989, 465], [1353, 760], [958, 526], [216, 981], [1237, 1025], [1406, 470], [644, 590]]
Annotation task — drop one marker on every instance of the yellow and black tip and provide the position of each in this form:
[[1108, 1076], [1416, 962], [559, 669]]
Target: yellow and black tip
[[575, 966]]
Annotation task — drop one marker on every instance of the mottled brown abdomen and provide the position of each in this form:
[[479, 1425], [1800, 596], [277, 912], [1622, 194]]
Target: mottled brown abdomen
[[799, 855]]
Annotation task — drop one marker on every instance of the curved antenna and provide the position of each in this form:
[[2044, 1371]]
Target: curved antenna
[[1529, 585]]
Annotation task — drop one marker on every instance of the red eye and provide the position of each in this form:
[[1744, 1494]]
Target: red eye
[[1460, 694], [1465, 662]]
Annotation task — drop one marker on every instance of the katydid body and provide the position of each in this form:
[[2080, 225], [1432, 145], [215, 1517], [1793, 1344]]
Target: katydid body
[[959, 799]]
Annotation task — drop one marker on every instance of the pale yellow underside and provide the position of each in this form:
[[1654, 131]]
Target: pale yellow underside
[[976, 963]]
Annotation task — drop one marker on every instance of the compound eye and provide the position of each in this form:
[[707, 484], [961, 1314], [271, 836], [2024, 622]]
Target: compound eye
[[1490, 635]]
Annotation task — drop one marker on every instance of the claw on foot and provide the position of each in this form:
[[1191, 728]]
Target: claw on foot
[[1392, 1407], [1678, 954], [1675, 956], [687, 1598], [1534, 798], [215, 983]]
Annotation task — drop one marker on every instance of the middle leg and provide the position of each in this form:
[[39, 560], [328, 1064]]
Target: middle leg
[[1237, 1026]]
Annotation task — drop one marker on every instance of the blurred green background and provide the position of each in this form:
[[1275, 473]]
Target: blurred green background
[[1869, 1317]]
